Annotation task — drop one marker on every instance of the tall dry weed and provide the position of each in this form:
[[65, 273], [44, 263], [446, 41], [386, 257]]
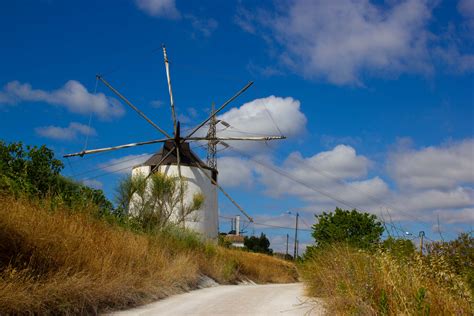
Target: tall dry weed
[[358, 282]]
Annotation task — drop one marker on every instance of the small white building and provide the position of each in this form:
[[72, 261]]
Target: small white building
[[204, 221]]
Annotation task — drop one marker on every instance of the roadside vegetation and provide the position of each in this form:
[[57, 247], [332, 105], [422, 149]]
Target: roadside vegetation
[[358, 273], [65, 249]]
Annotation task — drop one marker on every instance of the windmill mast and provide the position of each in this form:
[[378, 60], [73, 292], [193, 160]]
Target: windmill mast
[[212, 144], [168, 77]]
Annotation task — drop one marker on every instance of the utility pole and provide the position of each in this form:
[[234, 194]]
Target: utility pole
[[287, 237], [421, 235], [295, 252]]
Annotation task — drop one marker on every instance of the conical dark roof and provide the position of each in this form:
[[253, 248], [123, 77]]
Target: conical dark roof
[[187, 157]]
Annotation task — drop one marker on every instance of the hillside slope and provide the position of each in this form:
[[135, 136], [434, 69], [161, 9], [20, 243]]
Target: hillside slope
[[65, 261]]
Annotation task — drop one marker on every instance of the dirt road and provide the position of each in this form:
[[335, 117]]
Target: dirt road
[[271, 299]]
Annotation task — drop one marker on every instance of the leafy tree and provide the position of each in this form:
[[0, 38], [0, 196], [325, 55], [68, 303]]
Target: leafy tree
[[258, 244], [79, 196], [32, 170], [361, 230], [152, 202]]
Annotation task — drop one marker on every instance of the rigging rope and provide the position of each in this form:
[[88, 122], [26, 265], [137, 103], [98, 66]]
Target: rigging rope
[[271, 117], [90, 117]]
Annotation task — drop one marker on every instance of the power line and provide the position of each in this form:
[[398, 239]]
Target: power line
[[345, 184], [104, 167], [268, 225], [285, 174], [105, 174]]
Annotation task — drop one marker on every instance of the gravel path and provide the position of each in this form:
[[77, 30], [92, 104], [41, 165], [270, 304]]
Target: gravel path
[[269, 299]]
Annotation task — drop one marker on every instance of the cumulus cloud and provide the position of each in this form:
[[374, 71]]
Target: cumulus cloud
[[340, 40], [263, 117], [433, 167], [159, 8], [124, 164], [419, 201], [73, 96], [339, 177], [235, 172], [324, 171], [463, 215], [65, 133]]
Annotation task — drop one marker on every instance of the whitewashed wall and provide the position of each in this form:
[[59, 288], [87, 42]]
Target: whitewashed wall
[[204, 221]]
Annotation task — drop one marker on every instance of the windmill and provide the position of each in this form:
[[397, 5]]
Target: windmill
[[177, 159]]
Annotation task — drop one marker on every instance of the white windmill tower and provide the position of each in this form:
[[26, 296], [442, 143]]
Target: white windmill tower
[[177, 159]]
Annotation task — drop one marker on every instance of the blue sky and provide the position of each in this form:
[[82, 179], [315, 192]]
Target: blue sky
[[376, 98]]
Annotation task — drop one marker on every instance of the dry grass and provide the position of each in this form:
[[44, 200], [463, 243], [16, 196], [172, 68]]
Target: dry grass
[[356, 282], [65, 262]]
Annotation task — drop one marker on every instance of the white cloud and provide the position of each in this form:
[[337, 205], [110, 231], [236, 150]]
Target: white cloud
[[434, 167], [323, 171], [73, 96], [464, 215], [341, 40], [338, 177], [264, 71], [65, 133], [253, 116], [419, 201], [188, 117], [235, 172], [262, 117], [205, 27], [159, 8], [466, 9], [124, 164], [341, 162]]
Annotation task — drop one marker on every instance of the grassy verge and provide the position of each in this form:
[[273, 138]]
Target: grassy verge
[[361, 283], [57, 262]]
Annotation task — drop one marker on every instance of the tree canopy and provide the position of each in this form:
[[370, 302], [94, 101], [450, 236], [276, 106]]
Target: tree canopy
[[28, 169], [258, 244], [361, 230], [35, 172]]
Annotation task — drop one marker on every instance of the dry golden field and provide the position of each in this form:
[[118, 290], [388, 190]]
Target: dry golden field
[[62, 261]]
